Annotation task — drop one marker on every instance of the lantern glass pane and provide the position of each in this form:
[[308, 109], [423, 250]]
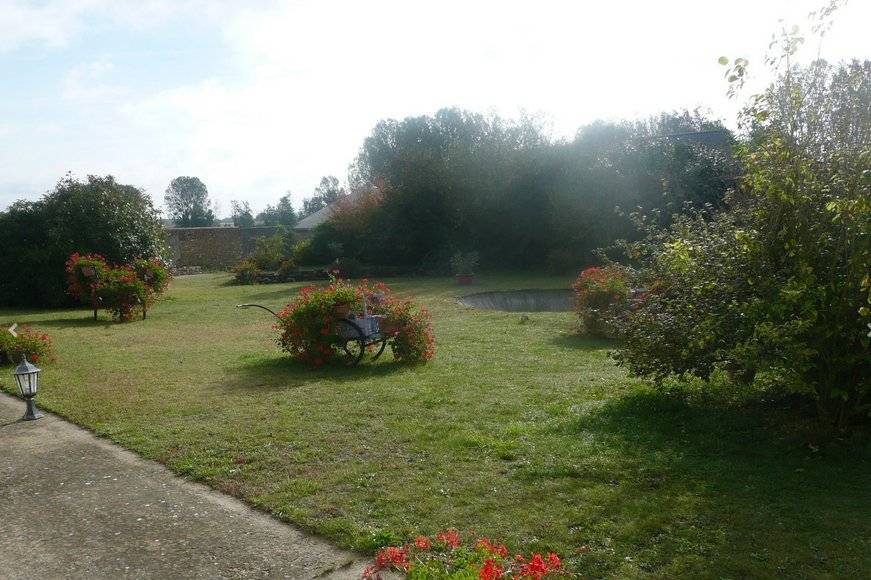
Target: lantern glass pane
[[26, 384]]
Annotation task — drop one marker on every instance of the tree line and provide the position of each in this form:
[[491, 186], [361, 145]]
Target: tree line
[[188, 205], [426, 187]]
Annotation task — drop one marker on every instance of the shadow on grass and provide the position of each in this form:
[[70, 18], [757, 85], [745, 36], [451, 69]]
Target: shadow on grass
[[583, 343], [85, 322], [287, 292], [282, 373], [676, 468]]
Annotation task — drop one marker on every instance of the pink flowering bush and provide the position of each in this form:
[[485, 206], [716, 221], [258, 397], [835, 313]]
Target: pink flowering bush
[[308, 331], [445, 556]]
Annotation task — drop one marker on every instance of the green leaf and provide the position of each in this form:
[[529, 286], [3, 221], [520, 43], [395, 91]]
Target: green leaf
[[723, 60]]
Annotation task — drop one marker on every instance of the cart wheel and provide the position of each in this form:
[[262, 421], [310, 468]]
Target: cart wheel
[[353, 349], [380, 349]]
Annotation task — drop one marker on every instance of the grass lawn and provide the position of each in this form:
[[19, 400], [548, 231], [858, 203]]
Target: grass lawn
[[522, 432]]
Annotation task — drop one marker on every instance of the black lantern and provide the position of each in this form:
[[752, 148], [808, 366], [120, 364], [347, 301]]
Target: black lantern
[[27, 377]]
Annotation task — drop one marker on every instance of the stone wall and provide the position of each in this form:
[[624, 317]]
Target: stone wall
[[214, 247]]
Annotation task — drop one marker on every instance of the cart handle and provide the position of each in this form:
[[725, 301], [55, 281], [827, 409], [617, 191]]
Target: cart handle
[[258, 306]]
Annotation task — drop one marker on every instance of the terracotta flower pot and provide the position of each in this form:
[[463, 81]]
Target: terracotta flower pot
[[465, 280]]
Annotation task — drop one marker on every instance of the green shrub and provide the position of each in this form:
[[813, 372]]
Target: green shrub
[[286, 270], [268, 252], [273, 253], [246, 272], [302, 253], [779, 284]]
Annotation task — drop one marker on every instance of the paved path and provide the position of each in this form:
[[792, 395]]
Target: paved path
[[76, 506]]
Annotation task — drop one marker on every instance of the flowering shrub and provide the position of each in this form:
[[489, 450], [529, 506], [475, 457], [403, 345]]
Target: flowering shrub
[[445, 557], [308, 329], [122, 293], [599, 291], [35, 345], [410, 330], [154, 274], [122, 290], [79, 285]]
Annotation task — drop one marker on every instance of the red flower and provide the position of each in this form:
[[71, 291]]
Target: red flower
[[392, 556], [449, 537], [492, 548], [490, 571], [34, 358], [536, 568], [422, 542], [553, 561]]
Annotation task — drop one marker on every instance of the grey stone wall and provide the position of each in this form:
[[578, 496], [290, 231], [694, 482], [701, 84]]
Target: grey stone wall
[[215, 247]]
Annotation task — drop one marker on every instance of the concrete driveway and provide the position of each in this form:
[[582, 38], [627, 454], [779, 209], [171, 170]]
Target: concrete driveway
[[73, 505]]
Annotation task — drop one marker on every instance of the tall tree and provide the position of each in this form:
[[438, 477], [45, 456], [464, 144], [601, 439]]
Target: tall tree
[[281, 214], [327, 192], [187, 202], [242, 216], [284, 211]]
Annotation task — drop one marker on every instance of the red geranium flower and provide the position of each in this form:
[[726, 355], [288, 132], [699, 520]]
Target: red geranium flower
[[490, 571]]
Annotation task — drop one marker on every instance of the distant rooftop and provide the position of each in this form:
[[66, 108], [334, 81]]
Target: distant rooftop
[[311, 221]]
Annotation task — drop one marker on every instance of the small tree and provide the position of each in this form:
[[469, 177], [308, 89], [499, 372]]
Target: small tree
[[242, 216], [187, 203], [326, 193]]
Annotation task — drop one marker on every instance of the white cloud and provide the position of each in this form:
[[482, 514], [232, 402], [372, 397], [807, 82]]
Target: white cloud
[[54, 23], [91, 83], [49, 23]]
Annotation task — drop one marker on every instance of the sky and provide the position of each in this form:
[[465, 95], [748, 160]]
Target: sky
[[258, 98]]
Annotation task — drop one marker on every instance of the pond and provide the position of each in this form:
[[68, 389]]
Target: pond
[[560, 300]]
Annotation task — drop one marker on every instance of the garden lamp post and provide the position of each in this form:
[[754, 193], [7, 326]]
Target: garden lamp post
[[27, 377]]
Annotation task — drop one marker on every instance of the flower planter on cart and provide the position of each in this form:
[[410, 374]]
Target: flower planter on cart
[[356, 335]]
